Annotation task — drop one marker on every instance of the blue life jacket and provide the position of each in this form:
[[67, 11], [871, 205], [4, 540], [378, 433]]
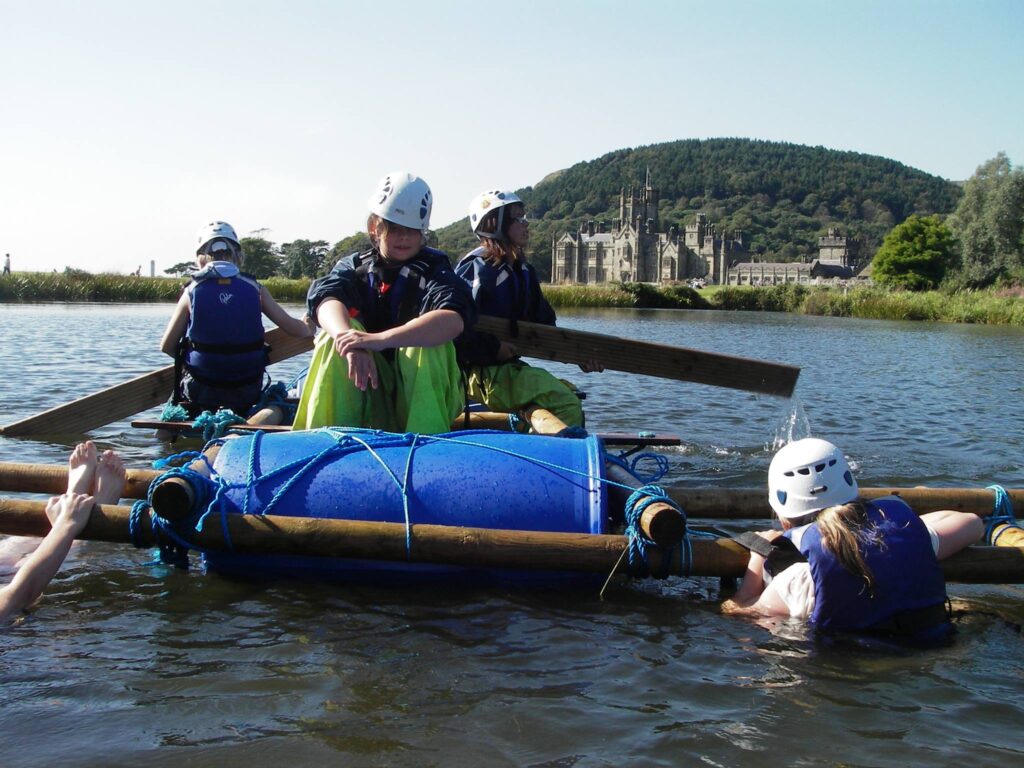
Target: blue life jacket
[[908, 579], [223, 344], [505, 290]]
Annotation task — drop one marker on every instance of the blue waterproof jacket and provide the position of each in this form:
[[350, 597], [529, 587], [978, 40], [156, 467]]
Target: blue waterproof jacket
[[898, 550], [223, 344]]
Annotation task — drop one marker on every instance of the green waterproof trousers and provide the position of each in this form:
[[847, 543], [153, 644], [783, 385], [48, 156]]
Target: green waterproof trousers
[[515, 385], [420, 391]]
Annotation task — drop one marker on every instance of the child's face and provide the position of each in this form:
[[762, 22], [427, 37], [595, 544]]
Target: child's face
[[398, 243]]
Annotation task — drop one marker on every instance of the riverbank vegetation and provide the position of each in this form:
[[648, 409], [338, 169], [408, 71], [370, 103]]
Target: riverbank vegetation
[[996, 306]]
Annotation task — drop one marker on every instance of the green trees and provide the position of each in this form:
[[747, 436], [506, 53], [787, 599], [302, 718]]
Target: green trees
[[915, 254], [261, 259], [304, 258], [989, 223]]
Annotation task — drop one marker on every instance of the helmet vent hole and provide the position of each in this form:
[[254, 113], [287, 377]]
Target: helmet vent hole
[[819, 467], [848, 478], [788, 473], [832, 462], [781, 496], [804, 470]]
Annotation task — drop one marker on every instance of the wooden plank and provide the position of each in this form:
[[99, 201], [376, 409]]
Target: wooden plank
[[609, 438], [565, 345], [129, 397]]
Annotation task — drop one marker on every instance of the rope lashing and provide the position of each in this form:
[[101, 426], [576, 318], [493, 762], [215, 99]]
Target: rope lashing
[[633, 467], [1002, 513], [173, 412], [639, 544], [517, 423], [173, 546], [217, 424]]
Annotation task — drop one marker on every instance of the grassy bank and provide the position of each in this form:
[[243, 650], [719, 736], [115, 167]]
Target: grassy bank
[[82, 286], [991, 307]]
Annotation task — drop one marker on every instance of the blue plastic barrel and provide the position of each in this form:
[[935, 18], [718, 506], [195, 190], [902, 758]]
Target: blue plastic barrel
[[476, 478]]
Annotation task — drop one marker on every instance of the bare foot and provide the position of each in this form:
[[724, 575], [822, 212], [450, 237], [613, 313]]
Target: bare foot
[[82, 468], [110, 478]]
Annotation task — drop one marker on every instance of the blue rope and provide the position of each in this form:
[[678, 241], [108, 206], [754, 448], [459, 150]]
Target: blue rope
[[517, 423], [173, 412], [217, 424], [1002, 512], [639, 559]]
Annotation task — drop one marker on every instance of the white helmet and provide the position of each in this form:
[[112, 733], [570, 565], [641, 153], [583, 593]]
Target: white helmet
[[214, 230], [808, 475], [403, 199], [484, 203]]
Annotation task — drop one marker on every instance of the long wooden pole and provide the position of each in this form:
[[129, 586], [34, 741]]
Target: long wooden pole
[[473, 547], [633, 356], [699, 503], [129, 397], [752, 503]]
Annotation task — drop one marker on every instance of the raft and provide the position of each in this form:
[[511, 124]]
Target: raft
[[471, 478]]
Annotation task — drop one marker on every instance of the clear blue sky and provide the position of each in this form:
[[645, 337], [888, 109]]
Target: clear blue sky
[[126, 125]]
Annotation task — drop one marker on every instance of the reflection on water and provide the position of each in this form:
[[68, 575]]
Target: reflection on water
[[129, 662]]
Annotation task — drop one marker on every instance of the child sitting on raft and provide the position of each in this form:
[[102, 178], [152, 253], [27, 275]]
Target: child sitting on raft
[[385, 357], [91, 481], [216, 332], [846, 564], [505, 285]]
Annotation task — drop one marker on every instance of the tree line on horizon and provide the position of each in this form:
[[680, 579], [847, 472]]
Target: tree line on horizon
[[781, 196]]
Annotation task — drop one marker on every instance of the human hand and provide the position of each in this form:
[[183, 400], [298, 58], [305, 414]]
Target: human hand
[[592, 366], [350, 339], [70, 510], [362, 369], [507, 351]]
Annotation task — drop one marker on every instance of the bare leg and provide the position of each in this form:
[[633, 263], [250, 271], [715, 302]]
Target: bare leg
[[110, 478], [82, 468], [955, 530]]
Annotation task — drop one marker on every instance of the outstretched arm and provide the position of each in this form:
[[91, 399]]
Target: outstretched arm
[[68, 515], [293, 326]]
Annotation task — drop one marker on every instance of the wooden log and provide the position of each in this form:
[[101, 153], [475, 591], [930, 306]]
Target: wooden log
[[474, 547], [53, 479], [129, 397], [632, 356], [752, 503], [660, 522]]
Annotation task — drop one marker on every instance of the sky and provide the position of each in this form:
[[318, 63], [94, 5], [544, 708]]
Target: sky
[[127, 125]]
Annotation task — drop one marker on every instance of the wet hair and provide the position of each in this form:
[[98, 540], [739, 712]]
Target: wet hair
[[842, 529], [497, 248]]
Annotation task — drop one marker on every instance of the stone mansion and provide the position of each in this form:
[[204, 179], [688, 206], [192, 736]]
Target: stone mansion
[[634, 250]]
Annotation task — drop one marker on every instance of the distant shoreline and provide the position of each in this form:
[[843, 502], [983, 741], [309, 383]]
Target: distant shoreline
[[985, 307]]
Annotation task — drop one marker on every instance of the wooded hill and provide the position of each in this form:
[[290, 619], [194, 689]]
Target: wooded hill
[[782, 196]]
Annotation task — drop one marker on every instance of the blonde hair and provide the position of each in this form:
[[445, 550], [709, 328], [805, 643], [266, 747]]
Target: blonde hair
[[842, 529], [233, 254]]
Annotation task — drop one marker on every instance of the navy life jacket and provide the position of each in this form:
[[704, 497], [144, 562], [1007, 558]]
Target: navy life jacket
[[910, 592], [393, 293], [223, 345], [505, 290]]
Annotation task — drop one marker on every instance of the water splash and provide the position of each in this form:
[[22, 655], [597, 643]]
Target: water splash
[[794, 425]]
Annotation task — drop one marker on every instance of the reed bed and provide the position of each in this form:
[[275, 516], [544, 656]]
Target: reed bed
[[1003, 306]]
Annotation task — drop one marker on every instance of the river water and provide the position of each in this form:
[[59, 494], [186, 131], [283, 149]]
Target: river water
[[126, 662]]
